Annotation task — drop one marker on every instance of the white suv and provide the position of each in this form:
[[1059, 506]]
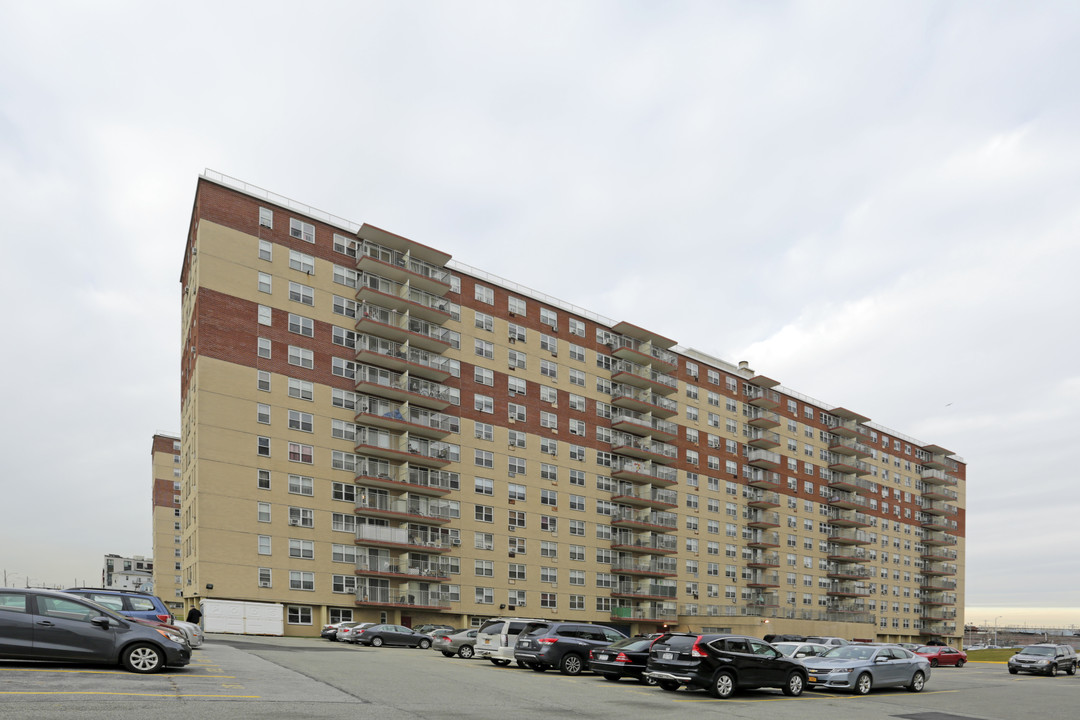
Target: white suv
[[495, 640]]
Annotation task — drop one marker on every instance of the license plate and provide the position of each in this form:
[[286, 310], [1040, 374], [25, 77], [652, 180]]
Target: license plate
[[813, 678], [669, 656], [601, 657]]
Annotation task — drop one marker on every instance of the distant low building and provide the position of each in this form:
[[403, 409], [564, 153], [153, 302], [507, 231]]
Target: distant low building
[[127, 573]]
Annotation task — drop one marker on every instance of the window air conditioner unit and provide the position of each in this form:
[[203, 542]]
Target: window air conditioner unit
[[264, 583], [511, 474], [456, 541], [294, 522]]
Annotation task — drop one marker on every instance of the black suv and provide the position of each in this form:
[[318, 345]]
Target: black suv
[[1045, 658], [721, 664], [563, 645]]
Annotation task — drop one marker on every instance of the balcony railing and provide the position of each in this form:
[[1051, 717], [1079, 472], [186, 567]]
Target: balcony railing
[[657, 495], [660, 519], [618, 390], [657, 565], [645, 589]]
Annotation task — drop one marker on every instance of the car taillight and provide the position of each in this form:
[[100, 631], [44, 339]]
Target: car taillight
[[445, 638], [622, 658], [547, 641], [697, 651], [167, 619]]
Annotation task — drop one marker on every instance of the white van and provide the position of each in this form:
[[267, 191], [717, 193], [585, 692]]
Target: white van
[[496, 638]]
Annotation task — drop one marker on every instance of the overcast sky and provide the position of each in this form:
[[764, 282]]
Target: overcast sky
[[875, 203]]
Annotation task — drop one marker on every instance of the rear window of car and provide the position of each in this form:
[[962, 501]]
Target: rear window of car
[[540, 629], [492, 627], [14, 602], [678, 642], [113, 602], [141, 604]]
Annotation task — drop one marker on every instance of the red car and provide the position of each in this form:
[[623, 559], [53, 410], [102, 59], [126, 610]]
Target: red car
[[942, 655]]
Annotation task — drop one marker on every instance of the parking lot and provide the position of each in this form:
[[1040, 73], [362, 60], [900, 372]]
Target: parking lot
[[240, 677]]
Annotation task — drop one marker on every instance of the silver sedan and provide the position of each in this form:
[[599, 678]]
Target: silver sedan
[[859, 668], [454, 642]]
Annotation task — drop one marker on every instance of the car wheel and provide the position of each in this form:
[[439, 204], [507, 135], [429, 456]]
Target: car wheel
[[669, 685], [647, 680], [1052, 670], [465, 651], [610, 678], [933, 662], [447, 653], [794, 685], [723, 685], [863, 684], [376, 641], [425, 644], [960, 663], [571, 664], [1013, 671], [918, 682], [537, 667], [1071, 670], [501, 662], [143, 658]]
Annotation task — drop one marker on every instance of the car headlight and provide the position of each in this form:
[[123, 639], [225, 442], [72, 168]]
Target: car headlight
[[1043, 662], [843, 670], [172, 636]]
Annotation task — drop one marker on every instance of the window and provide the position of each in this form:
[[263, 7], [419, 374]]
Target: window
[[346, 276], [263, 480], [263, 446], [515, 571], [299, 421], [549, 497], [301, 581], [549, 369], [483, 376], [577, 377], [517, 306], [301, 549], [485, 595], [483, 458], [266, 217], [265, 315], [517, 438], [343, 368], [301, 230], [484, 431], [483, 568], [483, 403], [576, 327], [516, 359], [343, 399], [301, 325], [515, 412], [516, 386], [484, 513], [300, 453], [344, 306], [484, 486], [301, 357], [515, 518], [262, 414], [549, 420], [343, 583], [264, 381], [302, 517], [515, 465], [301, 389], [264, 545], [484, 294], [343, 491], [302, 262], [266, 283], [484, 541], [301, 485], [484, 349]]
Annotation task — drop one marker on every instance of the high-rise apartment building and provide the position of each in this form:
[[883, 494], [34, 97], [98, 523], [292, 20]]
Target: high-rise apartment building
[[371, 430], [165, 498]]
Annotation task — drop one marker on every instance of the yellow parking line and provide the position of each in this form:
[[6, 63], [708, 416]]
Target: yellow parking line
[[247, 697], [109, 672]]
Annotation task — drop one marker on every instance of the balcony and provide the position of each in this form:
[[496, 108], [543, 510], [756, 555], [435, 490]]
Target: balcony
[[392, 295], [762, 518], [657, 615], [627, 396], [850, 447], [936, 598], [939, 615], [642, 424], [846, 499], [939, 630], [397, 537], [402, 259], [936, 584], [849, 571], [644, 591], [396, 386], [640, 471], [939, 492], [637, 496], [848, 588], [385, 414], [765, 460], [939, 569], [762, 559], [938, 539], [649, 543], [849, 536], [938, 508], [391, 567], [399, 448], [765, 480], [756, 417], [645, 520], [763, 499], [657, 452], [763, 539], [764, 439], [643, 377], [845, 464], [371, 505], [930, 476], [653, 567], [936, 522], [932, 553], [763, 398], [401, 358], [383, 322], [420, 481], [763, 579], [849, 429], [846, 554], [644, 353], [406, 596], [939, 459], [848, 518]]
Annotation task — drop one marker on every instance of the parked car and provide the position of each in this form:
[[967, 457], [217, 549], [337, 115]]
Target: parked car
[[495, 640], [829, 641], [379, 635], [192, 633], [564, 645], [351, 631], [127, 603], [1044, 658], [625, 658], [432, 629], [329, 631], [49, 625], [773, 639], [861, 667], [455, 642], [942, 655], [801, 649], [721, 664]]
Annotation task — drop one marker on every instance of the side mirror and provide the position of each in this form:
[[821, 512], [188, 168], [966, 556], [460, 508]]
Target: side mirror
[[880, 659], [101, 621]]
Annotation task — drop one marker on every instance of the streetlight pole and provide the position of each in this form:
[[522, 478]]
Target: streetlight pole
[[996, 629]]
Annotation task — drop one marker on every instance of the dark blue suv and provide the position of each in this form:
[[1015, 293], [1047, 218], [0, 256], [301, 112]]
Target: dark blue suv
[[544, 644], [127, 603]]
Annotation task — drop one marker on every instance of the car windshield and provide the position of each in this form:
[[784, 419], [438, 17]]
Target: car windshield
[[851, 652], [1036, 650]]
